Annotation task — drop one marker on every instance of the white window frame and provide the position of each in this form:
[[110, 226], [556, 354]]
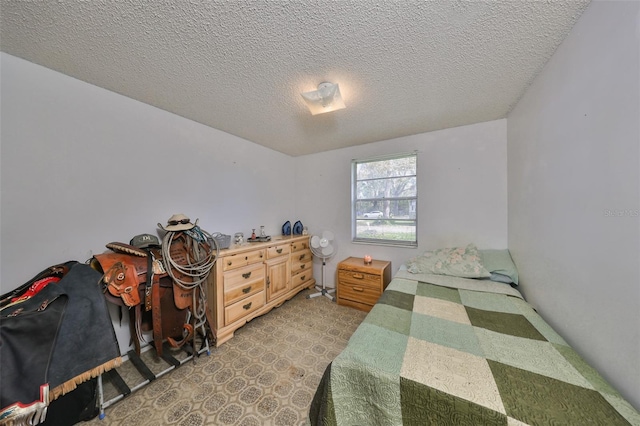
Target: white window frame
[[354, 202]]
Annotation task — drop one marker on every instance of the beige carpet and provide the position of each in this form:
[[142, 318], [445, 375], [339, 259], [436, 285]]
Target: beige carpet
[[265, 375]]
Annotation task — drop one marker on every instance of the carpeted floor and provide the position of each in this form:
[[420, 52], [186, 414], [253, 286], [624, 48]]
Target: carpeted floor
[[265, 375]]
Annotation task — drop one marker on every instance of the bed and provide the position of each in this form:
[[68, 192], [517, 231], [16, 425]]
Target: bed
[[444, 349]]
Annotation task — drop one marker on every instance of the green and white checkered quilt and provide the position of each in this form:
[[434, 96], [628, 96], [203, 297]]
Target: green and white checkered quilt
[[452, 355]]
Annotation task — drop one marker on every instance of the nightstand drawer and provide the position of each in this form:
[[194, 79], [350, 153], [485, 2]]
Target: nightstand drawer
[[360, 279], [359, 293], [360, 285]]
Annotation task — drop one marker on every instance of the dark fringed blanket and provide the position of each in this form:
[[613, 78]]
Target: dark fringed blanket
[[62, 336]]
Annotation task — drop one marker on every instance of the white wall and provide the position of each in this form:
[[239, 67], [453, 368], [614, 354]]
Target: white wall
[[82, 166], [574, 191], [462, 191]]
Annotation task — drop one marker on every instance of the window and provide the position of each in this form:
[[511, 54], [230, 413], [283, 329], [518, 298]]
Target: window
[[384, 200]]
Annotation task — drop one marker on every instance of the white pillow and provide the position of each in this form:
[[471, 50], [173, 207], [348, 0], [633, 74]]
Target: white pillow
[[464, 262]]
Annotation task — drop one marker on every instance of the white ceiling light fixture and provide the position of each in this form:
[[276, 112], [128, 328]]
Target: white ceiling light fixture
[[327, 98]]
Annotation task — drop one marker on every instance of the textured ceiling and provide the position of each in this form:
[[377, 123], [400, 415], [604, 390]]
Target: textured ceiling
[[404, 67]]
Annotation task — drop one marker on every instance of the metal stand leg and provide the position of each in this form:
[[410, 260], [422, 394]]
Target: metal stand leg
[[323, 291], [146, 373], [101, 397]]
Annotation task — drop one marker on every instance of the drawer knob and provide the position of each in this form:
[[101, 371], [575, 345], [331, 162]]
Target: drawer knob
[[279, 250], [246, 290], [246, 275], [302, 266], [358, 276], [302, 256], [303, 277], [360, 289], [246, 258], [229, 263], [247, 306]]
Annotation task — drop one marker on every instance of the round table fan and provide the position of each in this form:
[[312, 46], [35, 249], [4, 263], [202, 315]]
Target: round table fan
[[322, 246]]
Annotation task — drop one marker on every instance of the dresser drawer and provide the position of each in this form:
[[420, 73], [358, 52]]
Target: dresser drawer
[[301, 262], [362, 279], [239, 260], [301, 256], [275, 251], [299, 245], [301, 277], [244, 282], [243, 307], [358, 293]]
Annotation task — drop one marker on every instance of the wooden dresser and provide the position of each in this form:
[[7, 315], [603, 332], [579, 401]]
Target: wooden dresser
[[250, 279], [360, 285]]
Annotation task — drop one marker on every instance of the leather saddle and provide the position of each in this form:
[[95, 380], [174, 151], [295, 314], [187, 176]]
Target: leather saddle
[[127, 281]]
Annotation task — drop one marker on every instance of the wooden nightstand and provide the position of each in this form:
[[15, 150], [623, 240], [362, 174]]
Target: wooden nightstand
[[361, 285]]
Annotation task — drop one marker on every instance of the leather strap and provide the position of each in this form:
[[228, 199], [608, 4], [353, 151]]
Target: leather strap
[[157, 318], [188, 328], [135, 325], [151, 280]]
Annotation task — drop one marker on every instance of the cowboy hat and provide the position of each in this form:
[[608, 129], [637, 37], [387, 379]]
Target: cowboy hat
[[178, 222]]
